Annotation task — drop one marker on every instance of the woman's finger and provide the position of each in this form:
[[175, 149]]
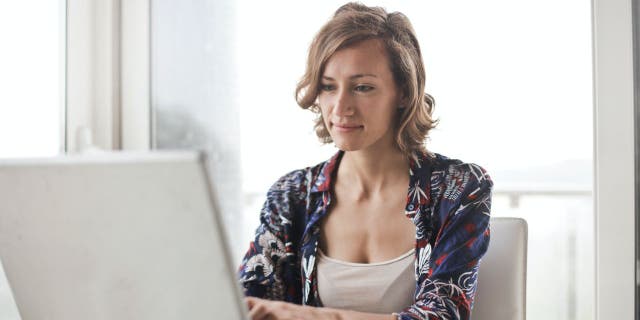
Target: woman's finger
[[257, 309], [250, 301]]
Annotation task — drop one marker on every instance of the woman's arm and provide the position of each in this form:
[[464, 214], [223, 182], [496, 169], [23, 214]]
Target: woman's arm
[[260, 309], [449, 270], [268, 269]]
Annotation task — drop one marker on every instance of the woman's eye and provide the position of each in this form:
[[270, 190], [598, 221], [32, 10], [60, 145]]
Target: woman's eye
[[363, 88], [326, 87]]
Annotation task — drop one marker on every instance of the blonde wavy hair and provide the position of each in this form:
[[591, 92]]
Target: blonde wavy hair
[[353, 23]]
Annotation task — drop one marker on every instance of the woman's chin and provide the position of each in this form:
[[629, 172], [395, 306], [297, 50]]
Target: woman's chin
[[347, 146]]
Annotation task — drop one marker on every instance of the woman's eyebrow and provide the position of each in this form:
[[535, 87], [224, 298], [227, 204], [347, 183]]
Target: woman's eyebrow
[[355, 76]]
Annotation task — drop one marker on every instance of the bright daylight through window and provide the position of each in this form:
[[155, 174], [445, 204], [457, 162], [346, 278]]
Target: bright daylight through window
[[512, 94], [32, 95]]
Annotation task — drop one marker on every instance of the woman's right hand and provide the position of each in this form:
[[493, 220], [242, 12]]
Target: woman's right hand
[[260, 309]]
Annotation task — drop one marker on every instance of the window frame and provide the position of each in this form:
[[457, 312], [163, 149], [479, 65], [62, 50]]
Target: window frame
[[107, 68], [614, 154], [137, 129]]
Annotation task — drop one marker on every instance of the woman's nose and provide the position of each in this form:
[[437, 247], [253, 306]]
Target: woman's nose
[[343, 104]]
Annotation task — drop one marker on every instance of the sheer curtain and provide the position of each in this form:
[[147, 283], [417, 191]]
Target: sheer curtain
[[194, 91]]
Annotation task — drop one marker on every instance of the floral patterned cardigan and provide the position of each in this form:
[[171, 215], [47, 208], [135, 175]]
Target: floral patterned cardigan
[[448, 201]]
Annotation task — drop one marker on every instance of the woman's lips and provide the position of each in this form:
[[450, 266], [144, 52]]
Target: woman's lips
[[346, 127]]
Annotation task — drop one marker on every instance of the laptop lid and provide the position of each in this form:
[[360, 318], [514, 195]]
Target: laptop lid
[[115, 236]]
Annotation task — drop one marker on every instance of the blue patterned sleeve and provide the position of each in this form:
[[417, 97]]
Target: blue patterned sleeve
[[448, 271], [268, 268]]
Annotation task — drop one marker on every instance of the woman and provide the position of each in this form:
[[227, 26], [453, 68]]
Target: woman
[[383, 229]]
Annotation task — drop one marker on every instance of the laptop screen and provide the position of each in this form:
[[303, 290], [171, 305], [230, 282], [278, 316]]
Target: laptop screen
[[115, 236]]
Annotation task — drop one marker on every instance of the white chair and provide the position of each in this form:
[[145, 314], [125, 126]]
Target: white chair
[[501, 293]]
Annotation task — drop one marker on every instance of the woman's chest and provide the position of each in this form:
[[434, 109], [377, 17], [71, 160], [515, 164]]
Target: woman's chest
[[367, 232]]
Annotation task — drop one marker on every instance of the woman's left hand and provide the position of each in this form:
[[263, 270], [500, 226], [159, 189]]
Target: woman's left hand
[[260, 309]]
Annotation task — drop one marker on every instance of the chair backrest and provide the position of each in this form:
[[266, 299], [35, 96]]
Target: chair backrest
[[501, 293]]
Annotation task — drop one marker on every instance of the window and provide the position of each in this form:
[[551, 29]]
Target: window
[[512, 94], [32, 78], [32, 96]]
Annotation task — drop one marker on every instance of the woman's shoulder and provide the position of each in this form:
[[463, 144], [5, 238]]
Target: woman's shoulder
[[455, 174], [453, 166], [302, 180], [290, 181]]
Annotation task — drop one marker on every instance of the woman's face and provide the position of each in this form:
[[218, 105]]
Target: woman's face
[[359, 98]]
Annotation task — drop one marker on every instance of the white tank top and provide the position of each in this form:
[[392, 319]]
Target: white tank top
[[382, 287]]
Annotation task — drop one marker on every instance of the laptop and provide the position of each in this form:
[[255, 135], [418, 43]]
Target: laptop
[[116, 236]]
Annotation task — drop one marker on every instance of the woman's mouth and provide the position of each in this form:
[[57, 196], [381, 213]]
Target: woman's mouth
[[346, 127]]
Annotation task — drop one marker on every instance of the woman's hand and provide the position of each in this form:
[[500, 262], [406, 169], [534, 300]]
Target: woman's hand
[[260, 309]]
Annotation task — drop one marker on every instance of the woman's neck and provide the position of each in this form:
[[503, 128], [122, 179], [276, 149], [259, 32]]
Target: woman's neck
[[370, 173]]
